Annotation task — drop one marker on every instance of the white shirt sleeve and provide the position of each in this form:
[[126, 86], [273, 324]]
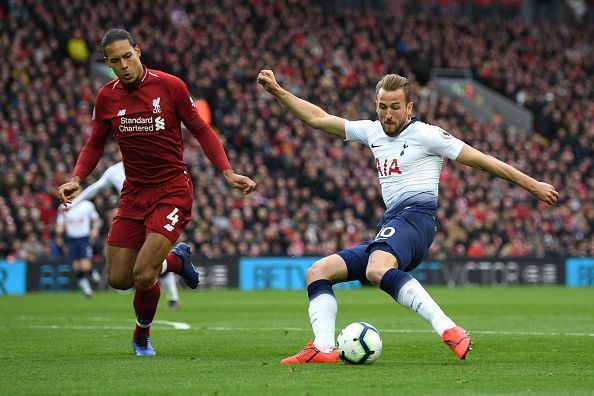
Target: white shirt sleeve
[[357, 131], [436, 141], [93, 189]]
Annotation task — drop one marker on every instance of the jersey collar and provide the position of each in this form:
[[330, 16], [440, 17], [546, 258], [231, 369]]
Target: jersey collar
[[412, 120], [138, 82]]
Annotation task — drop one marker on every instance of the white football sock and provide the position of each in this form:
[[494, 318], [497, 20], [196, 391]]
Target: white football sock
[[85, 286], [412, 295], [322, 315], [96, 276], [169, 285]]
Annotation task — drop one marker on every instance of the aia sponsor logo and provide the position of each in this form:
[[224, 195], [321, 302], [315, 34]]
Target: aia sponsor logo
[[388, 167]]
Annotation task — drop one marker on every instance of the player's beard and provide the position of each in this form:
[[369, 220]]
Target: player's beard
[[396, 125]]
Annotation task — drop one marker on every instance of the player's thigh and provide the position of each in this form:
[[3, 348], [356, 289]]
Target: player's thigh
[[356, 259], [330, 267], [120, 265], [124, 241], [150, 258]]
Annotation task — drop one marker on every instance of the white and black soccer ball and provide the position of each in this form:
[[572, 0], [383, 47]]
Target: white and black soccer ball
[[359, 343]]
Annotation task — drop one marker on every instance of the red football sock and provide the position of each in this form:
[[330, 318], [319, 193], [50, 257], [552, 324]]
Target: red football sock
[[174, 263], [145, 306]]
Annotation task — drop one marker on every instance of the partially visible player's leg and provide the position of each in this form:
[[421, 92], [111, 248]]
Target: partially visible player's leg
[[383, 272], [405, 247], [169, 286], [179, 261], [83, 274], [322, 304], [77, 255], [322, 310]]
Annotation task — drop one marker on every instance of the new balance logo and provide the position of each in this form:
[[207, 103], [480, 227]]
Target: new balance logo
[[156, 105], [159, 123], [122, 112], [168, 227]]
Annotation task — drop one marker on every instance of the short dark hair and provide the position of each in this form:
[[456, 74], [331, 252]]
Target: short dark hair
[[116, 35], [392, 82]]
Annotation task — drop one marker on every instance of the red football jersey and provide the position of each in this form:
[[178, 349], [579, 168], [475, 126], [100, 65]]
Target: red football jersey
[[146, 120]]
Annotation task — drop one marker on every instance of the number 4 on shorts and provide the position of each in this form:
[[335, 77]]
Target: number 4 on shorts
[[174, 219]]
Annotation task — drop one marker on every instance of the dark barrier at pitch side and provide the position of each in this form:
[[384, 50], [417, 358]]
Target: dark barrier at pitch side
[[289, 273], [492, 272], [57, 275]]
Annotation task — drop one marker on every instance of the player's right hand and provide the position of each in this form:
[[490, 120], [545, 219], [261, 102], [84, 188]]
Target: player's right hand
[[545, 192], [68, 191], [268, 81]]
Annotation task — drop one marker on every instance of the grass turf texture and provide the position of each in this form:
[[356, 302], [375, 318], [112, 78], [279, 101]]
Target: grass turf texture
[[527, 341]]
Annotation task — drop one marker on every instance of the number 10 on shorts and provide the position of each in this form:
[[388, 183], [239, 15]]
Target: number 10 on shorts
[[174, 219]]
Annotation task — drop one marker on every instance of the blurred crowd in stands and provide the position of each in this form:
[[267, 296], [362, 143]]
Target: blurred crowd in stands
[[316, 194]]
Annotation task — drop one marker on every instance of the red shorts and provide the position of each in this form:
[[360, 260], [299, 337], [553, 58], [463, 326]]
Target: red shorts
[[164, 209]]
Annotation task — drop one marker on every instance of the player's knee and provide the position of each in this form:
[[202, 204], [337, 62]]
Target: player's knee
[[374, 275], [318, 270], [118, 282], [144, 279], [375, 271]]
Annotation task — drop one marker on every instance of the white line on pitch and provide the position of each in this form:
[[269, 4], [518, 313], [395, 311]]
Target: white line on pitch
[[518, 333], [185, 326]]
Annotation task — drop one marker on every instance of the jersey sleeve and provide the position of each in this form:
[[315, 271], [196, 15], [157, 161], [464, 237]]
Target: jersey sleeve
[[93, 148], [208, 139], [356, 131], [436, 141], [92, 190]]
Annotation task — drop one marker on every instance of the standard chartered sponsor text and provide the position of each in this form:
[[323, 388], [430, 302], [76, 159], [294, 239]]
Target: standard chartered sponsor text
[[137, 124]]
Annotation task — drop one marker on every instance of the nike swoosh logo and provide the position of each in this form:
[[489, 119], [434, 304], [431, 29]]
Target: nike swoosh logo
[[374, 146]]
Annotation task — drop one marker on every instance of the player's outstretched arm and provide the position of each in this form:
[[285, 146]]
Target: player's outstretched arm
[[307, 112], [473, 157], [240, 182]]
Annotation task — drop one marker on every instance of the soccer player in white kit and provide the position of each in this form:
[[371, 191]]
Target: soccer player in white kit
[[115, 176], [81, 226], [408, 157]]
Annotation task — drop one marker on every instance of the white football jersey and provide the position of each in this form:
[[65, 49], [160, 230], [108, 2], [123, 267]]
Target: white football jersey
[[408, 165], [77, 219], [114, 175]]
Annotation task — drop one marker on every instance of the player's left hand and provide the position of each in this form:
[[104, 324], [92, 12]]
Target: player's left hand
[[68, 191], [239, 181], [545, 192]]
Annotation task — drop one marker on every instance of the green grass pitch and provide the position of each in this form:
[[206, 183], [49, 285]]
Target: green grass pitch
[[526, 341]]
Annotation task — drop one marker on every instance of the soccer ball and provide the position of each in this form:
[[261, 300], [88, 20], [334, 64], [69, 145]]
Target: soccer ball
[[359, 343]]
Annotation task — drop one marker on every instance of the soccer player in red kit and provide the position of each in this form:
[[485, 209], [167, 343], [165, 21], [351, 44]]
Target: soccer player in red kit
[[143, 109]]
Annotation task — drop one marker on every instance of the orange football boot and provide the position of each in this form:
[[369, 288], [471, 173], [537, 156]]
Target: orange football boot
[[311, 354], [457, 338]]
